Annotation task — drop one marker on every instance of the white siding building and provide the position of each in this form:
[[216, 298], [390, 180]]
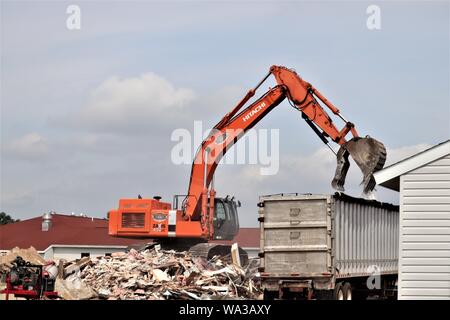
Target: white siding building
[[423, 181], [72, 252]]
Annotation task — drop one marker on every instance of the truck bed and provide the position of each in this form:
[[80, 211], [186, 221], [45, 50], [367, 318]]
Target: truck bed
[[321, 238]]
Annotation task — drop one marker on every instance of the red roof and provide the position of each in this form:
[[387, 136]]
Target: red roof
[[246, 238], [76, 230]]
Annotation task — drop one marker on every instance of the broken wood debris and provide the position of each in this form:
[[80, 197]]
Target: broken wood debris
[[159, 274], [151, 274]]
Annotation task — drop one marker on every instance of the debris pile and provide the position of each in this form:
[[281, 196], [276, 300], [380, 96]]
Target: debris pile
[[149, 274], [158, 274]]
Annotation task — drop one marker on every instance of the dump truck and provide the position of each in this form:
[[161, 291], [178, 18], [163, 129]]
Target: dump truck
[[330, 246]]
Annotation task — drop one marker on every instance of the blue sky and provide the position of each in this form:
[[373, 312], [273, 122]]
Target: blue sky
[[61, 150]]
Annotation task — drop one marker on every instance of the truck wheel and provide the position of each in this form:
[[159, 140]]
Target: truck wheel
[[339, 292], [348, 292]]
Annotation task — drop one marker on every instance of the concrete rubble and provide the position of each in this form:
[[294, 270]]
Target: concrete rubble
[[73, 288]]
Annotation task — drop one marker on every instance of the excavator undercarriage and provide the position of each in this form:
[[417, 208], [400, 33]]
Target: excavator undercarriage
[[196, 248]]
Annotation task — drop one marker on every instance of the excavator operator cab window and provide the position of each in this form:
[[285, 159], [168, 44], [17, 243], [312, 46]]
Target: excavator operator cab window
[[221, 215], [226, 222]]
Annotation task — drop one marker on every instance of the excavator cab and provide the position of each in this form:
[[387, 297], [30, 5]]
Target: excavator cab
[[226, 222]]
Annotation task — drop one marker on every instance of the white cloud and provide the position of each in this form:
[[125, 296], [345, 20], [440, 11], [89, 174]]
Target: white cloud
[[135, 104], [293, 169], [29, 146]]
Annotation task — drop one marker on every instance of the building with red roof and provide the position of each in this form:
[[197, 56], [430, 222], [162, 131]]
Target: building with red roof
[[70, 237]]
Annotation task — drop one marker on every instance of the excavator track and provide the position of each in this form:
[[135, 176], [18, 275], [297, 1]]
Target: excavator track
[[205, 250], [209, 250]]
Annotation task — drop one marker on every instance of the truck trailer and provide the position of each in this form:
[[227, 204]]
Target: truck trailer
[[330, 246]]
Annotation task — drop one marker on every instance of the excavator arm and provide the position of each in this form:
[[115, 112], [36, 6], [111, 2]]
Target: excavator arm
[[368, 153]]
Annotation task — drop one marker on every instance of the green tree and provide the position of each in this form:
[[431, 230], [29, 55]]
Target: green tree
[[5, 219]]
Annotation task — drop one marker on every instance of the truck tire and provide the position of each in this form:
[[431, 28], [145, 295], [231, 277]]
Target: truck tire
[[338, 292], [348, 291]]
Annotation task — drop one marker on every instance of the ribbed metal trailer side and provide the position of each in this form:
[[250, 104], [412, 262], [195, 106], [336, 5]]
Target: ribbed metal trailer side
[[316, 241], [365, 237]]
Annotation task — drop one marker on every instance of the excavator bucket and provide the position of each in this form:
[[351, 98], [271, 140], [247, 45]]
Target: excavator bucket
[[370, 156]]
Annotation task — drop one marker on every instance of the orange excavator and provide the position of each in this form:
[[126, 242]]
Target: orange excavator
[[202, 216]]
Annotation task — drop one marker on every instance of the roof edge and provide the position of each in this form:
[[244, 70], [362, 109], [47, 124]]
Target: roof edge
[[84, 246], [411, 163]]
